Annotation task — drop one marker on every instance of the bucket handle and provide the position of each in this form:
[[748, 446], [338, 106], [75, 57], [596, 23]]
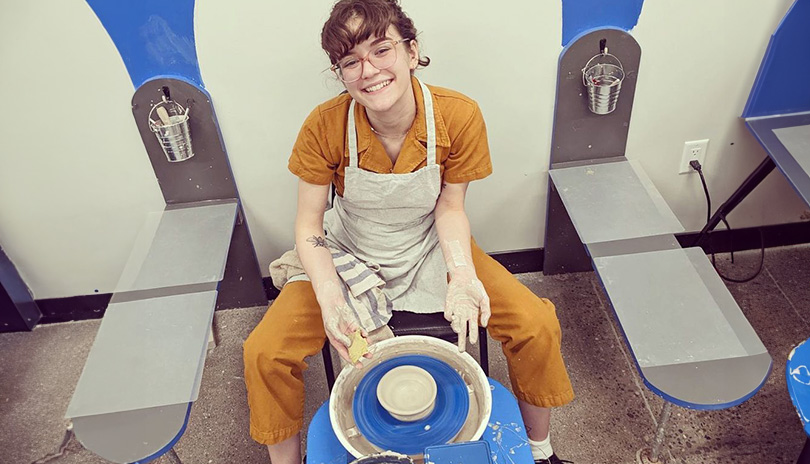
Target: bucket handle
[[165, 102], [604, 53]]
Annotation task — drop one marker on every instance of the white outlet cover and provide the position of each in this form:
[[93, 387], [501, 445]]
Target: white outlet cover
[[689, 148]]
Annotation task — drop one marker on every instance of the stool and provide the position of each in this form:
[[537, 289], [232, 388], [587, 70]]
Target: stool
[[798, 384], [407, 323]]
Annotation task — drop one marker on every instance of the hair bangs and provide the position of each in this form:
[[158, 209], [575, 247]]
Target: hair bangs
[[354, 21], [353, 24]]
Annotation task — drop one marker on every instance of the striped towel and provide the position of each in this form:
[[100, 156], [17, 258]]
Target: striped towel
[[362, 287], [363, 291]]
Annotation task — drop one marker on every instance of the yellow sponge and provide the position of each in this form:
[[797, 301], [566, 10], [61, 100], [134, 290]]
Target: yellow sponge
[[358, 348]]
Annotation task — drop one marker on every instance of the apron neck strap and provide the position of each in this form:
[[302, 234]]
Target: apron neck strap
[[430, 124], [351, 132]]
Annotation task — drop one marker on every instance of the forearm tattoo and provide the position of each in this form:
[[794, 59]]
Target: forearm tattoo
[[317, 241]]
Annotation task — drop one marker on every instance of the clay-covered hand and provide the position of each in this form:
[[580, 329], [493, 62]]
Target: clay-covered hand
[[338, 319], [466, 300]]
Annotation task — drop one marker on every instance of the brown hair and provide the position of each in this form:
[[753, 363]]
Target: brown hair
[[375, 15]]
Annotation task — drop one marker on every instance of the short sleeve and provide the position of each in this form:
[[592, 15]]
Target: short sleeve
[[469, 157], [311, 159]]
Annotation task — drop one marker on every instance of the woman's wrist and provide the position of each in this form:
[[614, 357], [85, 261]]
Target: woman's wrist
[[328, 293], [459, 262], [463, 272]]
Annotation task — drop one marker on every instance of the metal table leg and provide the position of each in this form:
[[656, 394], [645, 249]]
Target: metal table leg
[[173, 457], [804, 458], [660, 433]]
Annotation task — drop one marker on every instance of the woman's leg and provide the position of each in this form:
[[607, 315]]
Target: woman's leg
[[529, 332], [287, 451], [536, 419], [274, 354]]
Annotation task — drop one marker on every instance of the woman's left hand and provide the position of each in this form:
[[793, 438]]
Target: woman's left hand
[[466, 300]]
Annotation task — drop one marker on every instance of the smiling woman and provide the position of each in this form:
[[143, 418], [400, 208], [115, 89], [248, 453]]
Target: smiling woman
[[377, 74], [374, 51], [400, 155]]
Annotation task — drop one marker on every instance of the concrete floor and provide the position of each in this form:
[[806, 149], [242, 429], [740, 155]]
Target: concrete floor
[[613, 416]]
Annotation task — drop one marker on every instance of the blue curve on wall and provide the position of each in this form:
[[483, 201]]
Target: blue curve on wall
[[581, 15], [779, 87], [154, 37]]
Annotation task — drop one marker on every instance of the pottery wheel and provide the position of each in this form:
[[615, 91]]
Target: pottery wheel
[[439, 427], [463, 400]]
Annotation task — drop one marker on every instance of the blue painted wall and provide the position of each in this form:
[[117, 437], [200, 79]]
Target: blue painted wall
[[780, 87], [154, 37], [582, 15]]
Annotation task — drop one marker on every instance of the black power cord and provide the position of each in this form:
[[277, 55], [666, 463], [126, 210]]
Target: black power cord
[[694, 164]]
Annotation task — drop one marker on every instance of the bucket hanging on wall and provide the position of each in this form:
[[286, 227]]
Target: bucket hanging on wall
[[602, 76], [169, 121]]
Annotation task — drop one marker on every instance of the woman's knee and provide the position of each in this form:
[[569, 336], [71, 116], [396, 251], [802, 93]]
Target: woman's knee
[[536, 324], [269, 343], [547, 325], [272, 347], [258, 347]]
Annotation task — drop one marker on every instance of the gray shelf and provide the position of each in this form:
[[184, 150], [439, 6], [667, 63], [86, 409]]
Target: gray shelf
[[130, 436], [684, 327], [613, 201], [180, 246], [147, 353], [146, 364], [786, 138], [633, 245]]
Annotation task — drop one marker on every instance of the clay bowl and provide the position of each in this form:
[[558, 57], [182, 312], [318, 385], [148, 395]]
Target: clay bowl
[[407, 392]]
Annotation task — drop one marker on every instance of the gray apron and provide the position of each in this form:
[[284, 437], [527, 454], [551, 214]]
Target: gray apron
[[387, 221]]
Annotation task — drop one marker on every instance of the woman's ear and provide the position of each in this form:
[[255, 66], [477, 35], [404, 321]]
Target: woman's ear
[[413, 54]]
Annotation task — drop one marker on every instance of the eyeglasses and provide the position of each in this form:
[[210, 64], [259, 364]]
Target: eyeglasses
[[381, 56]]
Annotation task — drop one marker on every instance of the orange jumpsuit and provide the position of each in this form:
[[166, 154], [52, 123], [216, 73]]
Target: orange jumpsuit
[[292, 329]]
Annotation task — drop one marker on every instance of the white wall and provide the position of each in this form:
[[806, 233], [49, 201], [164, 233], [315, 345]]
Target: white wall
[[70, 208], [75, 181], [695, 76]]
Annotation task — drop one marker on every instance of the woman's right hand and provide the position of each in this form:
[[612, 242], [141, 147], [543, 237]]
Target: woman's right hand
[[338, 320]]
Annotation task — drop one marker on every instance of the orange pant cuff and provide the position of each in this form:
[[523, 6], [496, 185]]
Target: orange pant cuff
[[550, 401], [276, 436]]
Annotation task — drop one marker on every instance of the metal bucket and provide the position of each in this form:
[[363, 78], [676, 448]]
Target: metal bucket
[[603, 79], [174, 135]]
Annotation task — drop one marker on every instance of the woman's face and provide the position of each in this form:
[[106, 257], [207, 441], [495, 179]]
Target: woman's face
[[384, 90]]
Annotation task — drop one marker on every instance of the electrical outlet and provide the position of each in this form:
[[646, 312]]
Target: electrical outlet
[[694, 150]]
